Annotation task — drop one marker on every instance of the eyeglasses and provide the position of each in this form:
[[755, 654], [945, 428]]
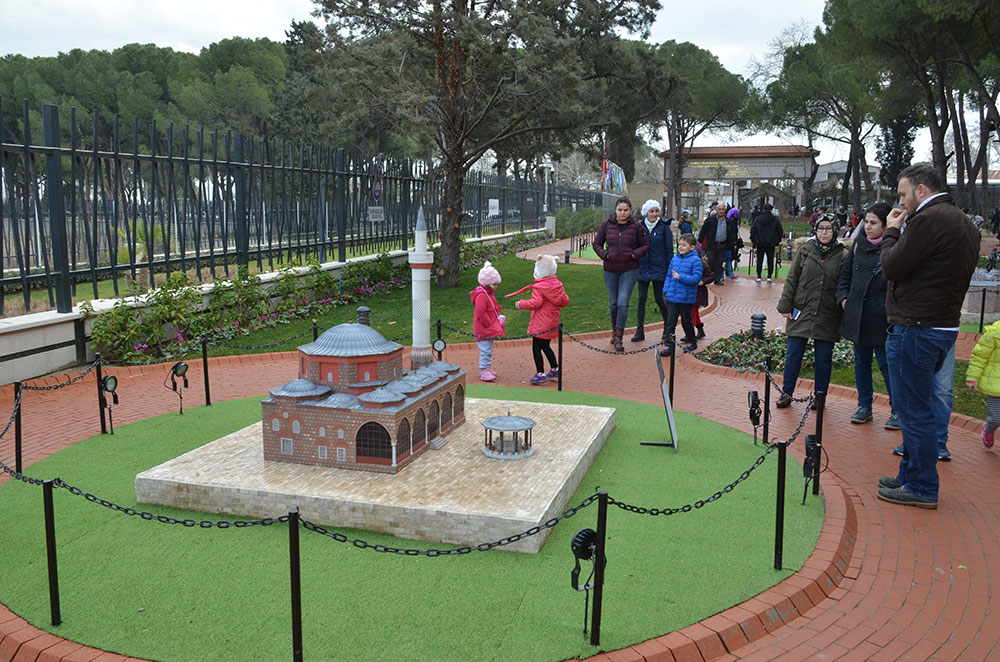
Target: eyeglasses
[[824, 230]]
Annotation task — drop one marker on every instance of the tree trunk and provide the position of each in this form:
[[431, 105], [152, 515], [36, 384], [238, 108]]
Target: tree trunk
[[961, 143], [847, 175]]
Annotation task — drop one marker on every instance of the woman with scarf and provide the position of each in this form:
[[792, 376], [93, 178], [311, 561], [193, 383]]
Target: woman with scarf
[[809, 302], [653, 265], [620, 244]]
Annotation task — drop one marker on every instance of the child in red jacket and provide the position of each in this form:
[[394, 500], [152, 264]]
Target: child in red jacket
[[547, 298], [487, 322]]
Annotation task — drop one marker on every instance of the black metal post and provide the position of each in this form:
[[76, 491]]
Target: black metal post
[[439, 336], [820, 406], [50, 548], [599, 563], [767, 397], [57, 209], [204, 369], [560, 375], [296, 578], [779, 507], [240, 224], [18, 393], [341, 207], [101, 401], [673, 354], [982, 310], [315, 330]]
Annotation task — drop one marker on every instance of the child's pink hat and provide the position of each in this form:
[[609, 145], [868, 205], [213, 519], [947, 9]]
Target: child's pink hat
[[488, 275]]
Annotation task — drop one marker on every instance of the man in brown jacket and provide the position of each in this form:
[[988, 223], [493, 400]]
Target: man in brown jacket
[[928, 268]]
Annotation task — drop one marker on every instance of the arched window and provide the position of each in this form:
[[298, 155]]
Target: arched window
[[433, 420], [275, 425], [446, 410], [374, 444], [459, 400], [419, 429], [403, 439], [296, 428], [322, 431]]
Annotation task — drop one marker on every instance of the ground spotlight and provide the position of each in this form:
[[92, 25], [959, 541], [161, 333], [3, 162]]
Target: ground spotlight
[[584, 545], [110, 385], [179, 369]]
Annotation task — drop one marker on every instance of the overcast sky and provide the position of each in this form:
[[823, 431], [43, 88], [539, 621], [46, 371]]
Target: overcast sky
[[733, 30]]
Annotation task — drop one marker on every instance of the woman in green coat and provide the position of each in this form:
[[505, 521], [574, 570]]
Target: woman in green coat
[[809, 302]]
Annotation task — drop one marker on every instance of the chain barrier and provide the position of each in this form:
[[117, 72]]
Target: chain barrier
[[451, 551], [13, 413], [181, 352], [267, 346], [587, 345], [164, 519], [74, 380], [406, 337], [700, 503], [475, 337]]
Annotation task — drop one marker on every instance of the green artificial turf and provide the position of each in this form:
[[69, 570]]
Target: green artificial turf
[[165, 592]]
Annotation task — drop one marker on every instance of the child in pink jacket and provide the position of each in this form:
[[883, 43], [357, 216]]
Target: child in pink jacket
[[487, 322], [548, 297]]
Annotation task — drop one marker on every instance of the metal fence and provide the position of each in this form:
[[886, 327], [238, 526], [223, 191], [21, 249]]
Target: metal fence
[[120, 201]]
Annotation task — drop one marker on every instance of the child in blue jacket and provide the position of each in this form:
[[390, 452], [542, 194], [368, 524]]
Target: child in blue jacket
[[681, 289]]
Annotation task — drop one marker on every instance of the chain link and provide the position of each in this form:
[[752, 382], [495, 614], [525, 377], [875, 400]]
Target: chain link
[[474, 336], [74, 380], [165, 519], [13, 413], [587, 345], [451, 551], [181, 352]]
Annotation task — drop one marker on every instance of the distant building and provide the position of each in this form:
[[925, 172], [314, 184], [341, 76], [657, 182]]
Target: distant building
[[354, 407]]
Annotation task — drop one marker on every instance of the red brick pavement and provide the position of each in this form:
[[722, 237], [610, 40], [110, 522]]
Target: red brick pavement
[[885, 582]]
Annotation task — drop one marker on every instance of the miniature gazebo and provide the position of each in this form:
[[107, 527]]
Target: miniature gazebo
[[507, 437]]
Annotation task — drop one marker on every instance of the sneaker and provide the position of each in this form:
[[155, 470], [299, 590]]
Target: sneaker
[[758, 279], [552, 374], [735, 277], [902, 496], [667, 350], [892, 423], [769, 280], [539, 378], [862, 415], [944, 455], [690, 347], [487, 375], [987, 438], [720, 283], [784, 401], [889, 482], [898, 450]]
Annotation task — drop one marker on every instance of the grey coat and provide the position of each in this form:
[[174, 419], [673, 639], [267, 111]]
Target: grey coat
[[811, 287], [862, 284]]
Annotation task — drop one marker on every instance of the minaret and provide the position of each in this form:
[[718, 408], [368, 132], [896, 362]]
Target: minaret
[[421, 260]]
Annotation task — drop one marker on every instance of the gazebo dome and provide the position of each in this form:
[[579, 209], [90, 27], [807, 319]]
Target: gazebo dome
[[348, 340], [299, 388]]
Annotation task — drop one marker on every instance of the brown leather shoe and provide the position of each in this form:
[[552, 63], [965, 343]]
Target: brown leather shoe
[[619, 332], [783, 402]]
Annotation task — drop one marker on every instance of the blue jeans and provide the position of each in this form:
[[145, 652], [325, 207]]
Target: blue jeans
[[727, 264], [795, 349], [944, 391], [485, 354], [863, 374], [620, 288], [915, 355]]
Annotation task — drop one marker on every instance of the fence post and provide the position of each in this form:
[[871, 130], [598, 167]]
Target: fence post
[[296, 586], [599, 561], [204, 369], [767, 396], [18, 393], [982, 310], [50, 548], [820, 406], [405, 204], [241, 229], [779, 508], [101, 402], [341, 207], [57, 209], [559, 376]]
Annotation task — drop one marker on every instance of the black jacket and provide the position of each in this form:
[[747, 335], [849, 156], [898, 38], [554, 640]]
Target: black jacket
[[863, 285], [708, 234], [766, 231]]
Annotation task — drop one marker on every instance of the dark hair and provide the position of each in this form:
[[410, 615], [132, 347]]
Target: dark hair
[[880, 209], [925, 174], [768, 207], [688, 238], [623, 200]]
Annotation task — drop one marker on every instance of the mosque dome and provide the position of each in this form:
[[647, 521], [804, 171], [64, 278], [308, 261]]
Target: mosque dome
[[348, 340]]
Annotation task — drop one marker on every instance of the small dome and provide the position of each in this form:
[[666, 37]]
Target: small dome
[[337, 401], [444, 366], [299, 388], [508, 423], [382, 396], [405, 387], [428, 371], [350, 340]]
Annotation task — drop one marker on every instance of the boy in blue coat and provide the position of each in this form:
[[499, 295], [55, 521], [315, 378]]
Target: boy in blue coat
[[681, 289]]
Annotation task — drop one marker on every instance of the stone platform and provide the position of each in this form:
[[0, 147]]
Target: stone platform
[[454, 495]]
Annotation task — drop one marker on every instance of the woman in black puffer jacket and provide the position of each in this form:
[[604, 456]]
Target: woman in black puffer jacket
[[620, 243], [861, 293]]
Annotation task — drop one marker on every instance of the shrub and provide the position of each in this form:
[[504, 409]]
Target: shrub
[[741, 350]]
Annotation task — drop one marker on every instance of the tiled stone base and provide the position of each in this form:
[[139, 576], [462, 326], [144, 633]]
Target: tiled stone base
[[454, 495]]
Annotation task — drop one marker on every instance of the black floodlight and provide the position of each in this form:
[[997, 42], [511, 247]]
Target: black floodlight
[[584, 546], [753, 401], [179, 369], [109, 385]]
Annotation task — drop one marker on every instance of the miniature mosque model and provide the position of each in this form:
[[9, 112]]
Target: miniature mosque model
[[353, 407]]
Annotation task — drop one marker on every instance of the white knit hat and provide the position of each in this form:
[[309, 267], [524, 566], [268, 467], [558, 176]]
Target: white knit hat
[[649, 204], [488, 275]]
